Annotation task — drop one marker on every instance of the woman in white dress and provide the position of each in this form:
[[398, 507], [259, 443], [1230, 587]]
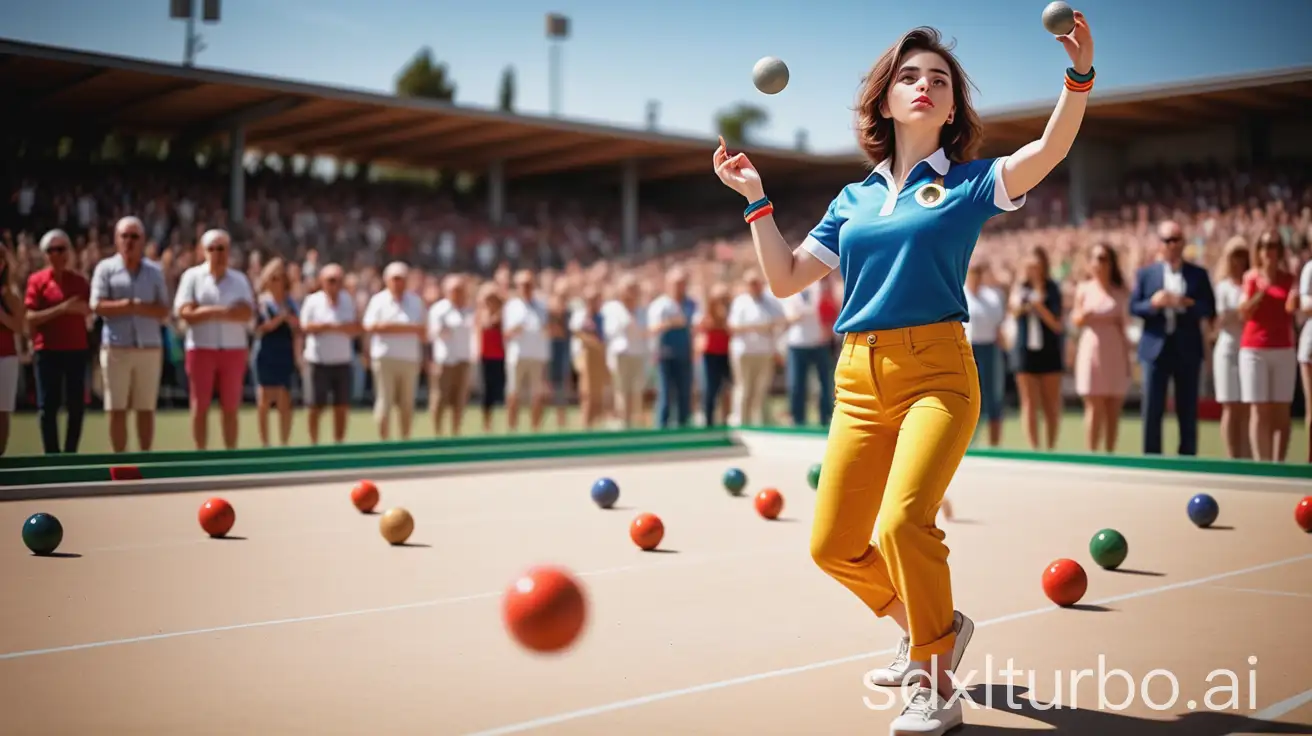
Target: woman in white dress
[[1300, 303], [1234, 263]]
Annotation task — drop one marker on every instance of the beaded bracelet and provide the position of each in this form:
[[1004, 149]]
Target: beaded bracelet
[[1077, 82], [760, 212], [754, 206]]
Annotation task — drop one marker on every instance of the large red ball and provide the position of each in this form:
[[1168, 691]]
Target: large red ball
[[1065, 582], [217, 517], [545, 609], [769, 503], [365, 496], [1303, 514], [647, 531]]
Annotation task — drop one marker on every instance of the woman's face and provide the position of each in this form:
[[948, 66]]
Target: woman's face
[[1034, 271], [1102, 263], [921, 90], [1238, 263]]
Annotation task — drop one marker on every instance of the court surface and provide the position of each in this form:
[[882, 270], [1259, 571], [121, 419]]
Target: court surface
[[306, 621]]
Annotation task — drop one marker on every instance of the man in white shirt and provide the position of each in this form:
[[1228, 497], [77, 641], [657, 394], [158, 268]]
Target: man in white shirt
[[627, 341], [217, 304], [987, 307], [808, 349], [525, 323], [755, 319], [451, 329], [396, 324], [328, 319]]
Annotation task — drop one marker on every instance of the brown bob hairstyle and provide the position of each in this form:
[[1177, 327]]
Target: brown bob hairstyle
[[960, 138]]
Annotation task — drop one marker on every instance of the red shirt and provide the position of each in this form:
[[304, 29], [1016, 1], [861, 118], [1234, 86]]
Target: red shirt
[[66, 332], [1270, 325], [717, 341], [493, 346]]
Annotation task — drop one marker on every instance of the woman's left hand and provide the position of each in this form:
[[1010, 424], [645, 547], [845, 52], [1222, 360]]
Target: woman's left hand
[[1079, 44]]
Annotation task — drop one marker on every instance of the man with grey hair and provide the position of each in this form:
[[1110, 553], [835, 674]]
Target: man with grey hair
[[129, 294], [217, 303], [57, 310], [451, 323], [328, 319], [395, 321]]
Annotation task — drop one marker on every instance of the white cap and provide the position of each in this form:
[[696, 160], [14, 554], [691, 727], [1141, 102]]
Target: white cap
[[396, 268]]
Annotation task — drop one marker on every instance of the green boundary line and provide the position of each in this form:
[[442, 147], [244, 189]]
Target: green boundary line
[[1139, 462], [581, 445], [30, 462], [71, 469]]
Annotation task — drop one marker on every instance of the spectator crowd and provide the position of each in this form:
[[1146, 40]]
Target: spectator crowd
[[1187, 288]]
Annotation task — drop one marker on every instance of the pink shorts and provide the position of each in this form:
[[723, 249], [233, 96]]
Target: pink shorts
[[208, 369]]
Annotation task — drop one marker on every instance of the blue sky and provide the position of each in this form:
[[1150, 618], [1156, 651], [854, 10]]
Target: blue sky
[[693, 56]]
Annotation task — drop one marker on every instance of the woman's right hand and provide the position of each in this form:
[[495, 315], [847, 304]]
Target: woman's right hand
[[737, 173]]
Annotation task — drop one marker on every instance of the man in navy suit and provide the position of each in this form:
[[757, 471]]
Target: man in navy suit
[[1173, 298]]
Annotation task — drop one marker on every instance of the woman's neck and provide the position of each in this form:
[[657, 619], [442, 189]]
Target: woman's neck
[[910, 147]]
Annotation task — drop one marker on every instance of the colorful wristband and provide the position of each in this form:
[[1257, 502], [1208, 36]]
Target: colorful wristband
[[759, 213], [1077, 82], [754, 206]]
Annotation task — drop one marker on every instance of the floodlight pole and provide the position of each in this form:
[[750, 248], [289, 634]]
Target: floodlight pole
[[192, 41], [557, 31]]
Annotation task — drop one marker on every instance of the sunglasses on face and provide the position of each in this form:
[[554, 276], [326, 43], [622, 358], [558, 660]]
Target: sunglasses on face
[[57, 249], [1173, 239]]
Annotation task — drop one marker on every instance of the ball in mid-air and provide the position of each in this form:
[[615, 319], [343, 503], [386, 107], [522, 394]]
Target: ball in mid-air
[[1058, 18], [770, 75]]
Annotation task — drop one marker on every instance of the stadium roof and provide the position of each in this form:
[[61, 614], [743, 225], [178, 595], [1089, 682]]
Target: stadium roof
[[55, 88]]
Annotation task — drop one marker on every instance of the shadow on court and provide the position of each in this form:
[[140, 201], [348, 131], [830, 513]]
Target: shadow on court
[[1086, 720]]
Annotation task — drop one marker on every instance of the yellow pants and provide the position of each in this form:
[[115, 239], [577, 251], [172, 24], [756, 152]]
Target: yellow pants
[[906, 403]]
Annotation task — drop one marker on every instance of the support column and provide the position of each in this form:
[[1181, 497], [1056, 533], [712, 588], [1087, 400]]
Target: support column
[[237, 179], [629, 205], [496, 192]]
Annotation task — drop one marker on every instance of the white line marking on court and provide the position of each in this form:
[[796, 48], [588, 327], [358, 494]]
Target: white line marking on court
[[1279, 709], [709, 686], [1283, 593], [381, 609]]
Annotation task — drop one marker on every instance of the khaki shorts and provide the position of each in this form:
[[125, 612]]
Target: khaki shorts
[[131, 378], [395, 383], [451, 383], [630, 375], [526, 375]]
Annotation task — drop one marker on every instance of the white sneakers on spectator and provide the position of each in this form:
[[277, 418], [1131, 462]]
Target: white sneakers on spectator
[[926, 712]]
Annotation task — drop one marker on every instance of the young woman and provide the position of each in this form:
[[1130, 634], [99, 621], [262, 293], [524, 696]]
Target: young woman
[[713, 331], [988, 310], [1102, 356], [1039, 348], [491, 350], [907, 392], [1235, 262], [1267, 363], [276, 347]]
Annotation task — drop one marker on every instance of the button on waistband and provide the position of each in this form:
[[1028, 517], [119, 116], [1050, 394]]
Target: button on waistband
[[870, 339]]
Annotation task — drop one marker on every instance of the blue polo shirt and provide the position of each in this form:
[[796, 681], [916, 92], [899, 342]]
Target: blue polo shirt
[[904, 254]]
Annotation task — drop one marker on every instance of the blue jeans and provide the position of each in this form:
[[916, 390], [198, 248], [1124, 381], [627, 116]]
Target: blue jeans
[[717, 370], [676, 380], [801, 360]]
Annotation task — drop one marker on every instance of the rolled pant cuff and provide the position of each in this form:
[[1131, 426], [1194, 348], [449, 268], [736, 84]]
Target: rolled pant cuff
[[938, 648], [882, 611]]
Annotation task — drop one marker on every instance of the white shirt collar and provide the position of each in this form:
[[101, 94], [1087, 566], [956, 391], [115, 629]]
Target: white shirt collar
[[937, 160]]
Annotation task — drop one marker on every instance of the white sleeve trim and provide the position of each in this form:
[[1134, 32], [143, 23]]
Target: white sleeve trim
[[820, 251], [1000, 197]]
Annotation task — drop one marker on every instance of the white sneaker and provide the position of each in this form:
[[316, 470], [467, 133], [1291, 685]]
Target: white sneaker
[[926, 714], [892, 675]]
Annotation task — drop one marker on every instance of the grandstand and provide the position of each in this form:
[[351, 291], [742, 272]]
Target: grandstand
[[1238, 120]]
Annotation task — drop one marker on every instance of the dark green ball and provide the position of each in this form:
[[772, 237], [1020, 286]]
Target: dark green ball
[[42, 533], [813, 476], [1109, 549], [735, 481]]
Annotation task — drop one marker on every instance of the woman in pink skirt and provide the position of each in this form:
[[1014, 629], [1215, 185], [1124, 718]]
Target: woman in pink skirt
[[1102, 357]]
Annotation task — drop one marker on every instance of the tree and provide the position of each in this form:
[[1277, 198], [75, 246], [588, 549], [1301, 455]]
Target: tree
[[737, 123], [506, 97], [423, 77]]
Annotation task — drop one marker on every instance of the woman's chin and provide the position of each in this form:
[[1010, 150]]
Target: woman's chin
[[921, 117]]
